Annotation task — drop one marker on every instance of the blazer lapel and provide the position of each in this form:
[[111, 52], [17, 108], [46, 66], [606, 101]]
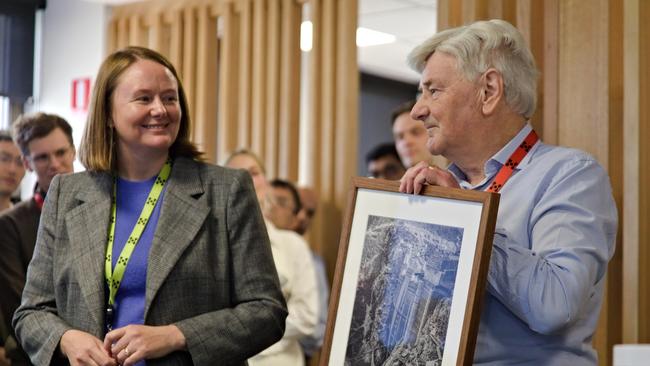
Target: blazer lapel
[[181, 216], [87, 227]]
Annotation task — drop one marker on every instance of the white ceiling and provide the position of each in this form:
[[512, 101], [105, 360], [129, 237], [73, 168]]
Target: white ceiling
[[411, 21]]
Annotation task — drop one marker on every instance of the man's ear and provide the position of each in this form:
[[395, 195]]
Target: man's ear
[[491, 91]]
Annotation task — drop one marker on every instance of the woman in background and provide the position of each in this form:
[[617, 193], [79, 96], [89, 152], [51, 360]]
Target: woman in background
[[150, 254], [295, 267]]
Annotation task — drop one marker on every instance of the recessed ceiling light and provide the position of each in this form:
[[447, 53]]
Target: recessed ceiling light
[[369, 37], [365, 37]]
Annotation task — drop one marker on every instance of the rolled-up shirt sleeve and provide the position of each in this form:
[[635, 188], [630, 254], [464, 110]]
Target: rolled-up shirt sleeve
[[571, 237]]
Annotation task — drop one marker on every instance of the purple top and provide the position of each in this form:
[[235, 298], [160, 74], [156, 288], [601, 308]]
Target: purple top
[[130, 297]]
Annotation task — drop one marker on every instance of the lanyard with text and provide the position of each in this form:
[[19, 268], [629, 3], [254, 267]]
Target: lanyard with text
[[114, 277], [506, 170]]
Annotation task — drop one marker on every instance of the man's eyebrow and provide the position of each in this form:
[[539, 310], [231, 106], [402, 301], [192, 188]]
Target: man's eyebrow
[[425, 84]]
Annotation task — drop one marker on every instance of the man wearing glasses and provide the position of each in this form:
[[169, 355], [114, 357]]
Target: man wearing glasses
[[384, 162], [45, 141], [11, 170], [11, 173]]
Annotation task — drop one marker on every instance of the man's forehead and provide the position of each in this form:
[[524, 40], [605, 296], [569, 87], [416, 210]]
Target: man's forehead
[[439, 67], [281, 190], [8, 147]]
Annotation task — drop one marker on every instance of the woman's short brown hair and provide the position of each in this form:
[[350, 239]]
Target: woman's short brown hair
[[96, 151]]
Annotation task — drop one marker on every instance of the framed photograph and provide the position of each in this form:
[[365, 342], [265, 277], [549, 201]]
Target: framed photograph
[[410, 276]]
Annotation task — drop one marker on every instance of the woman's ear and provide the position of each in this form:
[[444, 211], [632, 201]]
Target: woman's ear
[[492, 91]]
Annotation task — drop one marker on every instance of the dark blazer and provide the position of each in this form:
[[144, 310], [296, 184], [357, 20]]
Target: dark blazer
[[18, 228], [210, 269]]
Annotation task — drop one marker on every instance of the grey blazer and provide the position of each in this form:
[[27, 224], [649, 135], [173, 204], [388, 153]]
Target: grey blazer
[[210, 269]]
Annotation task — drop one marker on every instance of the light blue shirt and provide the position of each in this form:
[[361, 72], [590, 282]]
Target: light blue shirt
[[555, 233]]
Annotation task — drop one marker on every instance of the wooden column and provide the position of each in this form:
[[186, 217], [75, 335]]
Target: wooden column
[[313, 141], [188, 69], [245, 10], [228, 71], [508, 9], [259, 77], [272, 88], [347, 101], [636, 211], [176, 36], [332, 126], [205, 117], [138, 35], [122, 33], [449, 14], [549, 77], [531, 25], [289, 122], [111, 36]]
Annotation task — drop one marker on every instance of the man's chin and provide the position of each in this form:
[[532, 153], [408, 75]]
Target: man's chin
[[433, 148]]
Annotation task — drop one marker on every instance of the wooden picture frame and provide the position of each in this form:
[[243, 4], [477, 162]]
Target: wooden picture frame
[[410, 276]]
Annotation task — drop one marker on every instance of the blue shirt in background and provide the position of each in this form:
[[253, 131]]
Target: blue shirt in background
[[555, 233]]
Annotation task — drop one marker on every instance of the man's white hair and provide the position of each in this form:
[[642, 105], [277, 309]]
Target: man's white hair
[[483, 45]]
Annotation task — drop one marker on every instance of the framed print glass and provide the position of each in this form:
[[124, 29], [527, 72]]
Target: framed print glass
[[410, 276]]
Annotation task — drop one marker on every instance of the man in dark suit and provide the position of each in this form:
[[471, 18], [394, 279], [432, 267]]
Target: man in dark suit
[[47, 149]]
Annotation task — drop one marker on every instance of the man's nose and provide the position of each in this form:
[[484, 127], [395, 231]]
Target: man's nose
[[419, 111]]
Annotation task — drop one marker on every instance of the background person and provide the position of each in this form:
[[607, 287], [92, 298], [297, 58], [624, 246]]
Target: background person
[[11, 170], [294, 265], [309, 206], [45, 141], [4, 334], [199, 286], [384, 162], [410, 136], [556, 226], [284, 204], [287, 211]]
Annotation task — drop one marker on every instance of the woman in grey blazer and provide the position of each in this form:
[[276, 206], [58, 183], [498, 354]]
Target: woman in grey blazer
[[150, 255]]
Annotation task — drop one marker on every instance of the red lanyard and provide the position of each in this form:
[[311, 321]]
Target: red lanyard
[[506, 170], [39, 199]]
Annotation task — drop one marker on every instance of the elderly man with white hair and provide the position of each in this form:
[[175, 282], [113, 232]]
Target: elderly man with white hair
[[556, 226]]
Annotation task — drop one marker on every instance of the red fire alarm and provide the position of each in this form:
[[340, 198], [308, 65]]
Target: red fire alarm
[[80, 94]]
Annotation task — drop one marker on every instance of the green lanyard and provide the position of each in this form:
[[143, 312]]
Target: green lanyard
[[114, 277]]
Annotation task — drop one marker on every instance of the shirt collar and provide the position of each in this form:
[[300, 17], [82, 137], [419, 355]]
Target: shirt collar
[[495, 163], [504, 154]]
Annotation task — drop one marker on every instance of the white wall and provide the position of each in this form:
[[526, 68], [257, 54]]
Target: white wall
[[71, 46]]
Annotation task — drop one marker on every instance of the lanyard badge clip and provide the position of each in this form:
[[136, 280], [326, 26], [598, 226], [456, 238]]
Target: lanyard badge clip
[[110, 314]]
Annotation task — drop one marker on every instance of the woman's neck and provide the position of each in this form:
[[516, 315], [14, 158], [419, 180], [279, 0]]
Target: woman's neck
[[139, 167]]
